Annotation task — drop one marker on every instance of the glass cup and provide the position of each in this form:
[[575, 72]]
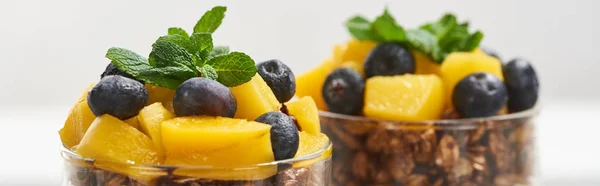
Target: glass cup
[[310, 170], [498, 150]]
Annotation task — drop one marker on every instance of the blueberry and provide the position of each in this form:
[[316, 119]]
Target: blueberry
[[113, 70], [118, 96], [479, 95], [522, 84], [388, 59], [490, 52], [279, 77], [343, 91], [203, 97], [284, 134]]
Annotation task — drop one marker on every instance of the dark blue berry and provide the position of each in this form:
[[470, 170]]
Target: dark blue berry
[[284, 134], [203, 97], [279, 77], [388, 59], [113, 70], [343, 91], [118, 96], [522, 85], [490, 52], [479, 95]]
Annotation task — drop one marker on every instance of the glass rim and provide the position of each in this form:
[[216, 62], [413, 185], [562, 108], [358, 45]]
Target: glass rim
[[446, 122], [69, 155]]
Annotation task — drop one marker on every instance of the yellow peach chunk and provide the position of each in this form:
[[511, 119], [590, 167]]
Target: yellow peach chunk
[[254, 98], [459, 65], [150, 118], [404, 97], [111, 139], [306, 113], [311, 83], [79, 120], [184, 136]]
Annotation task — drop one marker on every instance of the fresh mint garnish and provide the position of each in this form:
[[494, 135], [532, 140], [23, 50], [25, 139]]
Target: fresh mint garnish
[[208, 71], [178, 31], [385, 26], [179, 56], [436, 39], [218, 51], [167, 54], [361, 29], [233, 69], [211, 20], [426, 43]]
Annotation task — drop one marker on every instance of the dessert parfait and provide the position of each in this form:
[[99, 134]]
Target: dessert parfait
[[424, 106], [192, 113]]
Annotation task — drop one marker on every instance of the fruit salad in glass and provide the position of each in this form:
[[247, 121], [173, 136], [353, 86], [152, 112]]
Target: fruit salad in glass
[[194, 114], [424, 106]]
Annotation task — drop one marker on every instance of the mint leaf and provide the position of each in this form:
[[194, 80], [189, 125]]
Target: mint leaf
[[426, 43], [233, 69], [472, 41], [442, 27], [360, 28], [167, 77], [178, 31], [127, 61], [211, 20], [178, 40], [218, 51], [207, 71], [385, 26], [170, 54], [453, 36], [137, 66], [201, 42]]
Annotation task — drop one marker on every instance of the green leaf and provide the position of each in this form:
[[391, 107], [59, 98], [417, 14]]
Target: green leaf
[[178, 40], [178, 31], [218, 51], [209, 72], [385, 26], [360, 28], [453, 36], [472, 41], [426, 43], [170, 54], [167, 77], [201, 42], [233, 69], [127, 61], [136, 65], [211, 20]]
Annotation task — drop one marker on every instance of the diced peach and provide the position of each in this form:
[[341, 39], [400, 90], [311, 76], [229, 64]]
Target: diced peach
[[185, 136], [79, 120], [254, 98], [459, 65], [404, 97], [150, 118], [311, 83], [306, 113]]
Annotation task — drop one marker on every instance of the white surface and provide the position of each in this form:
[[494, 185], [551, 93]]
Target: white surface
[[58, 46], [567, 133]]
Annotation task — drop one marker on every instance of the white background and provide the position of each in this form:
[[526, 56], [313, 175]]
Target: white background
[[51, 50]]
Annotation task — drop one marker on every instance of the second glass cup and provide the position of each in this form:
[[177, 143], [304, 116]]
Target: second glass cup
[[497, 150]]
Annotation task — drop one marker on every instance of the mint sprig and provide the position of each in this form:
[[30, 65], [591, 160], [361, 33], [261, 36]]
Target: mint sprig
[[179, 56], [436, 39], [233, 67], [211, 20], [178, 31]]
